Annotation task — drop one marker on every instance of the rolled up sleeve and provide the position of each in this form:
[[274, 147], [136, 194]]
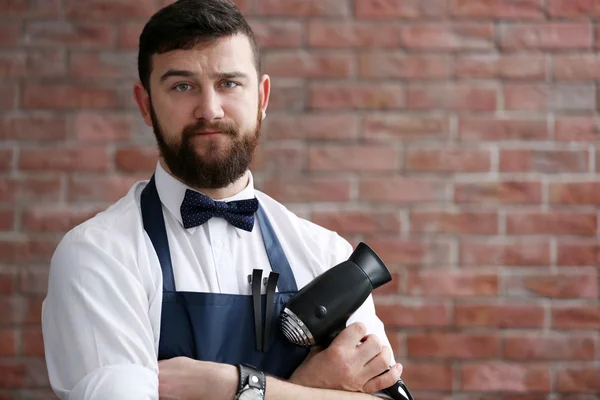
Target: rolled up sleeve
[[98, 337]]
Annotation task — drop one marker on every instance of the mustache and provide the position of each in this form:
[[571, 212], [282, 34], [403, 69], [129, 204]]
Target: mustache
[[192, 130]]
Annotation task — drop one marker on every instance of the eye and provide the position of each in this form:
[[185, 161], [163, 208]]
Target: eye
[[229, 84], [182, 87]]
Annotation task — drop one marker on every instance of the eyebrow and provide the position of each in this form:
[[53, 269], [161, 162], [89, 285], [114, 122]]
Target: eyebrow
[[190, 74]]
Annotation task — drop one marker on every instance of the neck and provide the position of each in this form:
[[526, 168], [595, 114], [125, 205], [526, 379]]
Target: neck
[[216, 193]]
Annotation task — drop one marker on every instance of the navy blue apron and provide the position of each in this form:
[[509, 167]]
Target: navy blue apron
[[222, 327]]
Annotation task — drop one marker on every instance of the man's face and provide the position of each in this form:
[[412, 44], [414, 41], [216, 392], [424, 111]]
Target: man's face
[[206, 108]]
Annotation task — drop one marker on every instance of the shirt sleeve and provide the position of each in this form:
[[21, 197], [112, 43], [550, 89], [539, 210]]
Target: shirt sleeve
[[98, 337]]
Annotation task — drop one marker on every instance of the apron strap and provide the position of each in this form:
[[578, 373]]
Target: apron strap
[[154, 224], [277, 258]]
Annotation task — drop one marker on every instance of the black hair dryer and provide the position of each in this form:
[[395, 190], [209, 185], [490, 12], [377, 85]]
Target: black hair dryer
[[320, 310]]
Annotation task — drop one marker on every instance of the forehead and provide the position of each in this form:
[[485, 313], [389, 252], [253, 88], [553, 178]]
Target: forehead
[[225, 54]]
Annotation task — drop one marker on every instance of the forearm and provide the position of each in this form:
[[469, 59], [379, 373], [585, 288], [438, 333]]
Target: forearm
[[283, 390]]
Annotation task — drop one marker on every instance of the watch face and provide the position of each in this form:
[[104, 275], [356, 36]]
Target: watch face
[[251, 394]]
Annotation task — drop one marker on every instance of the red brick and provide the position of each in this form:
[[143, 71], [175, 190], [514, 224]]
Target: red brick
[[512, 9], [304, 8], [31, 188], [10, 33], [64, 159], [130, 159], [104, 65], [278, 34], [32, 63], [33, 342], [554, 222], [405, 9], [521, 253], [70, 34], [109, 9], [56, 218], [329, 126], [409, 127], [502, 128], [454, 97], [13, 374], [421, 314], [578, 253], [428, 377], [454, 222], [358, 222], [571, 128], [67, 96], [128, 34], [504, 377], [401, 190], [6, 159], [413, 252], [103, 127], [36, 127], [556, 285], [308, 189], [546, 36], [448, 345], [352, 158], [279, 156], [452, 283], [575, 193], [26, 250], [549, 347], [8, 342], [323, 33], [453, 36], [502, 192], [288, 95], [549, 97], [8, 95], [34, 280], [573, 8], [7, 220], [107, 188], [578, 379], [577, 67], [501, 66], [389, 64], [379, 96], [314, 64], [499, 315], [31, 9], [13, 309], [576, 317], [544, 161], [448, 159]]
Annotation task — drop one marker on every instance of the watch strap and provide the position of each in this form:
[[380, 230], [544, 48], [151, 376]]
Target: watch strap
[[251, 377]]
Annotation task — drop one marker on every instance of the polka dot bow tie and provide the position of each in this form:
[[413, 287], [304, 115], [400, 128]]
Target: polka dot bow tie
[[197, 208]]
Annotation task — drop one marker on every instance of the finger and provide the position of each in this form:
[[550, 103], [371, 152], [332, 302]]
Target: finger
[[369, 349], [378, 364], [350, 336], [383, 381]]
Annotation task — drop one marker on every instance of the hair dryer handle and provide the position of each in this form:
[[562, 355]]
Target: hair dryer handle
[[398, 391]]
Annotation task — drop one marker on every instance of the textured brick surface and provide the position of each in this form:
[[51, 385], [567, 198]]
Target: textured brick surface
[[459, 138]]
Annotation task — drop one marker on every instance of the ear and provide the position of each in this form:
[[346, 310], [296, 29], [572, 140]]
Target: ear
[[142, 98], [264, 87]]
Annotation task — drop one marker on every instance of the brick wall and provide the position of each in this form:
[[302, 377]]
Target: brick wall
[[460, 138]]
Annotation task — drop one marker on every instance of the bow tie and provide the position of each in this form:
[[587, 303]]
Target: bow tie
[[197, 208]]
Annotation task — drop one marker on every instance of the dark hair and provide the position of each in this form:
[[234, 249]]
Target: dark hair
[[185, 24]]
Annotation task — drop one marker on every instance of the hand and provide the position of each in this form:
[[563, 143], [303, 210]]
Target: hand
[[183, 378], [346, 365]]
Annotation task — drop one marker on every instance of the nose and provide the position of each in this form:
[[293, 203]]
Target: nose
[[209, 106]]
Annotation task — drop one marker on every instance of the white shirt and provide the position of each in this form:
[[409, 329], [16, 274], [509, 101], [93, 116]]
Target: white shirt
[[101, 316]]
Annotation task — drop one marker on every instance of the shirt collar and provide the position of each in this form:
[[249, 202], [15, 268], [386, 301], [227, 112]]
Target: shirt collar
[[171, 192]]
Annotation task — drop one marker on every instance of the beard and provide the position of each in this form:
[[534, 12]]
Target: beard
[[216, 170]]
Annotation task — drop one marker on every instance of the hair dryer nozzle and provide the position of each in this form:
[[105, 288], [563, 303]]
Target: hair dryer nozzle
[[366, 258]]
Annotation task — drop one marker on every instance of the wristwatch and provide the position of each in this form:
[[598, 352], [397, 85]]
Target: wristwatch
[[252, 383]]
